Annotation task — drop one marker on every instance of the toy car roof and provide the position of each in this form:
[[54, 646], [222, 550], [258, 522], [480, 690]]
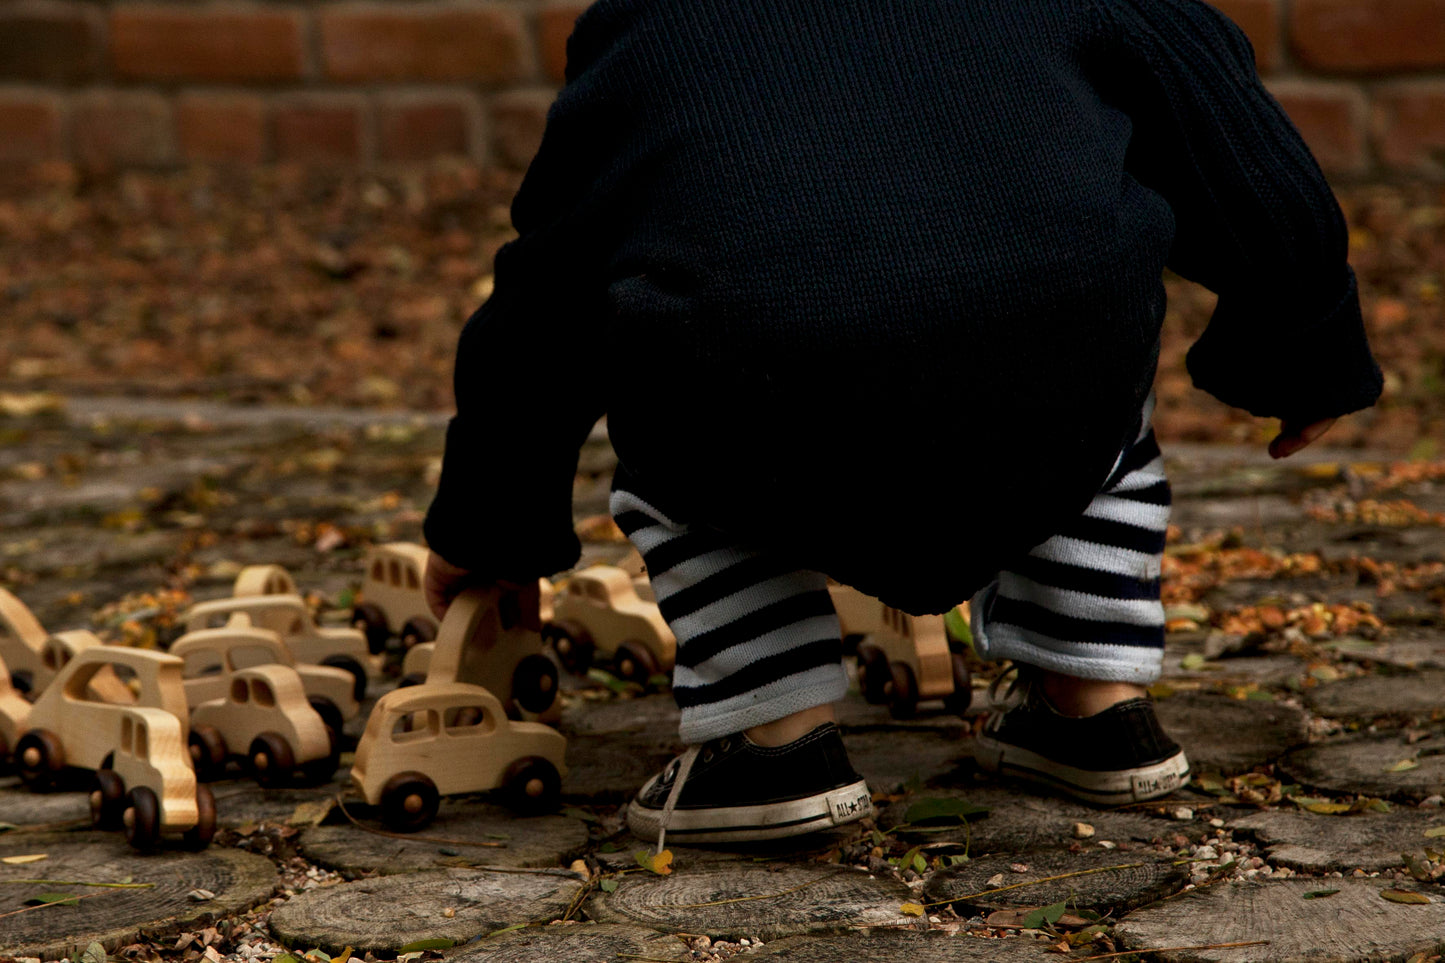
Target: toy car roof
[[441, 695]]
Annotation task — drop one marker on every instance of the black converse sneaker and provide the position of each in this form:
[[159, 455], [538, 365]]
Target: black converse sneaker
[[1120, 755], [734, 790]]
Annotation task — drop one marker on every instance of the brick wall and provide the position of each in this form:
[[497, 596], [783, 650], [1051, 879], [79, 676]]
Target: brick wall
[[143, 83]]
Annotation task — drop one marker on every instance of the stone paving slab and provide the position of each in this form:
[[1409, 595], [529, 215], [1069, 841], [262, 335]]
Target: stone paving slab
[[465, 833], [1354, 924], [723, 901], [22, 807], [580, 943], [894, 945], [382, 915], [1225, 735], [116, 917], [1360, 764], [1114, 882], [1371, 841], [1419, 694], [1020, 821]]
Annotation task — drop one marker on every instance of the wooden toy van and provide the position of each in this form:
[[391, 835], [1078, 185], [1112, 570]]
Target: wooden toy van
[[266, 722], [21, 639], [908, 660], [438, 739], [596, 615], [392, 602], [143, 778]]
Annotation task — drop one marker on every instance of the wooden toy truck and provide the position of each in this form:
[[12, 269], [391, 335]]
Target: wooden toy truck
[[264, 580], [437, 739], [392, 599], [288, 616], [143, 778], [212, 656], [902, 659], [21, 639], [14, 711], [265, 720], [596, 612]]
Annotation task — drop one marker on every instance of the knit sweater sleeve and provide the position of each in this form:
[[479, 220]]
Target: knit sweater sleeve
[[530, 361], [1255, 221]]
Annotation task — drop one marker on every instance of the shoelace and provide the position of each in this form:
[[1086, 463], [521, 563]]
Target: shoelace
[[684, 768], [1014, 684]]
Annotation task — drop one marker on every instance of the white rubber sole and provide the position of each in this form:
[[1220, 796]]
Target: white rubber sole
[[1102, 788], [751, 823]]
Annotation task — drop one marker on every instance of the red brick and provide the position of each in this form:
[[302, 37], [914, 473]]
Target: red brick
[[49, 43], [423, 41], [1368, 36], [554, 26], [1332, 118], [1409, 126], [221, 128], [328, 130], [229, 43], [517, 120], [31, 128], [122, 129], [421, 127], [1259, 19]]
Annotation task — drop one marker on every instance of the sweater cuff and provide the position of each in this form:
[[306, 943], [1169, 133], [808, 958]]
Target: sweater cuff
[[503, 510], [1275, 359]]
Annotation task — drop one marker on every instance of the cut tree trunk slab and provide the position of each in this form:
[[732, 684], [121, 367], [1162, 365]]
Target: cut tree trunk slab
[[383, 915], [1417, 695], [651, 715], [246, 803], [1407, 648], [57, 810], [237, 882], [581, 943], [1019, 821], [610, 768], [1113, 882], [1363, 764], [756, 901], [465, 833], [1230, 736], [1354, 924], [1370, 841], [890, 946], [892, 760]]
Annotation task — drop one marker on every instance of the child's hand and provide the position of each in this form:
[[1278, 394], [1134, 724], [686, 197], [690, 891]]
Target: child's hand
[[1293, 436], [443, 582]]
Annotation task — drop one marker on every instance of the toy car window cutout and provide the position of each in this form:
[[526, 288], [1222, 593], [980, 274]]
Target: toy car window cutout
[[262, 693], [596, 593], [295, 627], [78, 687], [133, 740], [246, 656], [202, 662], [240, 692], [216, 620], [574, 589], [414, 726], [460, 720], [378, 571], [411, 580], [54, 656], [394, 570]]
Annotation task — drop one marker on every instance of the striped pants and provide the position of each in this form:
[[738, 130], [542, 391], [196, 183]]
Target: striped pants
[[758, 640]]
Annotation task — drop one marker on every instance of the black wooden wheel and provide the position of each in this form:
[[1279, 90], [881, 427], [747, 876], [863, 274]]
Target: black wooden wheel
[[142, 818], [873, 674], [634, 662], [411, 679], [270, 760], [107, 800], [572, 643], [417, 631], [962, 696], [208, 753], [371, 621], [199, 836], [532, 785], [409, 802], [357, 670], [902, 691], [534, 683], [40, 757]]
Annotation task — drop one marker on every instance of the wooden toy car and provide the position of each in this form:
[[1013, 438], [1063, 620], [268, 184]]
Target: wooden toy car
[[14, 711], [212, 656], [907, 660], [492, 637], [265, 715], [437, 739], [56, 654], [392, 601], [596, 612], [21, 639], [264, 580], [288, 616], [143, 778]]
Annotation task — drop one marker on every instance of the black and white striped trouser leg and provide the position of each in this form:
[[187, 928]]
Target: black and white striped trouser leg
[[756, 640], [1086, 602]]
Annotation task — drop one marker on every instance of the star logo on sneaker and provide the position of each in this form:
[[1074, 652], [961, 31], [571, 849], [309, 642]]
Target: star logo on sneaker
[[849, 805]]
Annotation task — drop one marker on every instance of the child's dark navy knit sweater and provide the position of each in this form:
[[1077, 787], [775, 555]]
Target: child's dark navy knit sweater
[[876, 283]]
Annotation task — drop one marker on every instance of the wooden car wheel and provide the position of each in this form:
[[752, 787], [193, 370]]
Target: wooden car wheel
[[208, 752], [199, 835], [270, 760], [532, 785], [5, 761], [107, 800], [417, 631], [330, 715], [142, 818], [873, 674], [962, 696], [572, 643], [370, 620], [40, 757], [534, 683], [634, 663], [409, 802], [357, 670], [902, 691]]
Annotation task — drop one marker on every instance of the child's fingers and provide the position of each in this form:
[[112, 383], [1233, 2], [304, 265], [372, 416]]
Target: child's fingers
[[1293, 436]]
